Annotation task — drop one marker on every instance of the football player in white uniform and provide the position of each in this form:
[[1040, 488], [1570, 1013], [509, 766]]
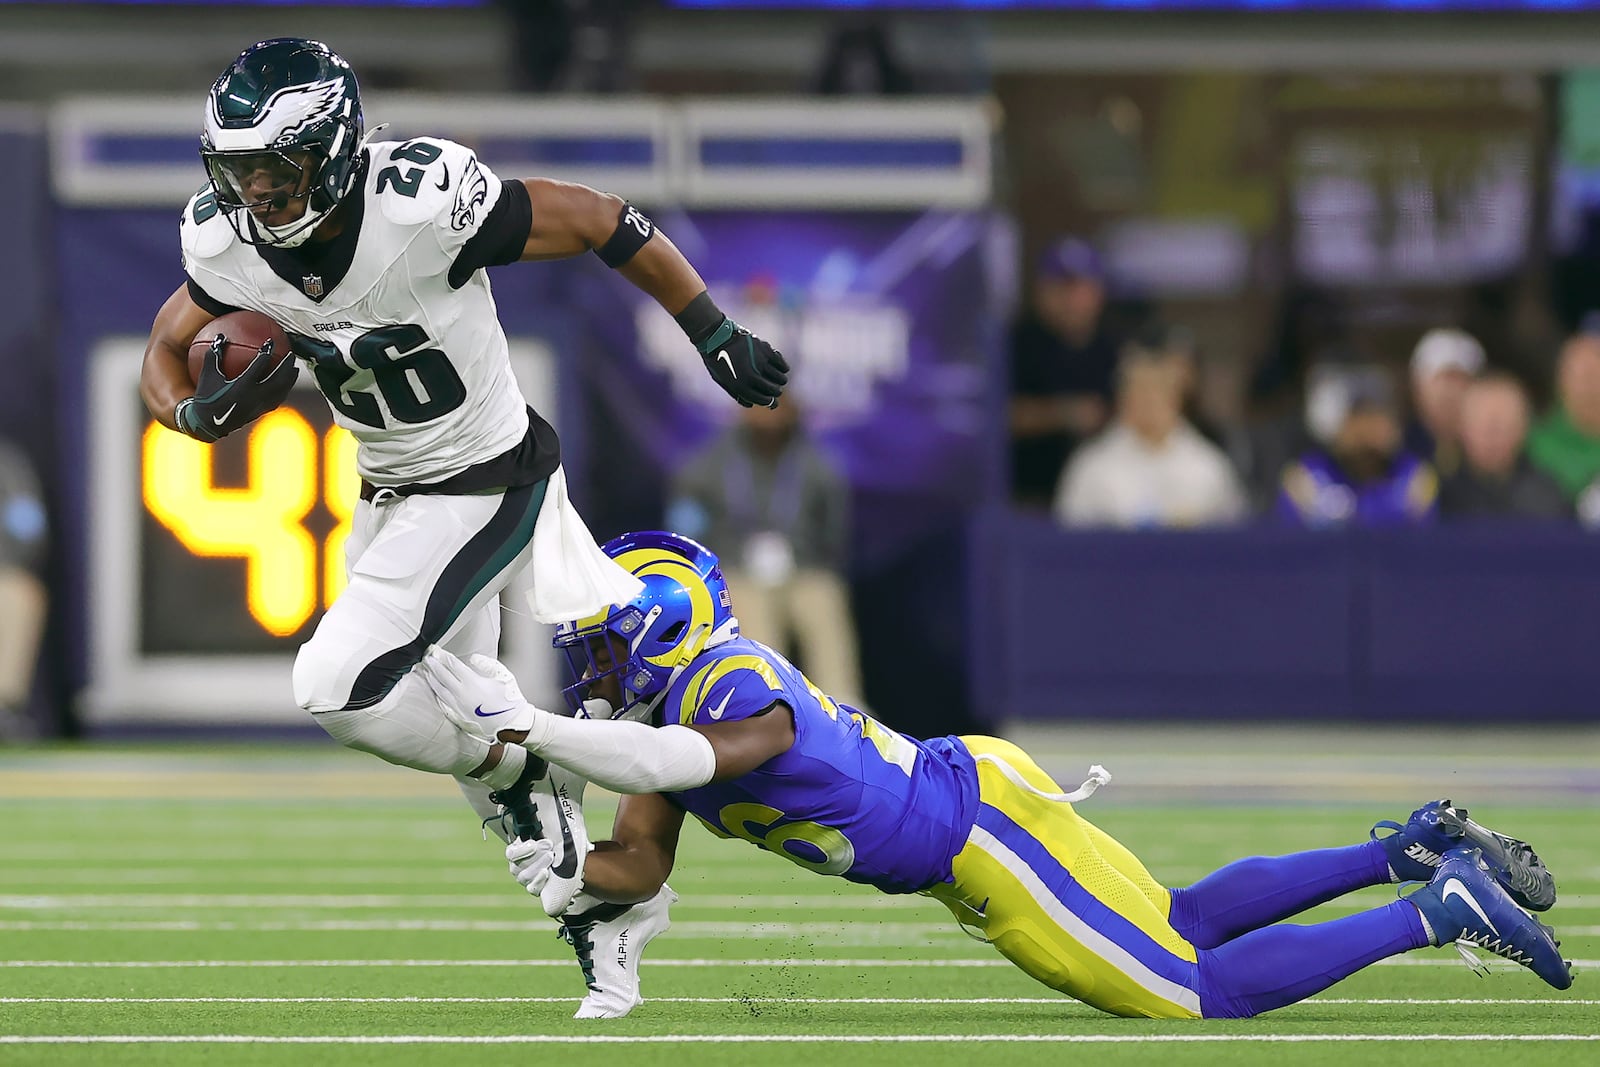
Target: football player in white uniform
[[371, 257]]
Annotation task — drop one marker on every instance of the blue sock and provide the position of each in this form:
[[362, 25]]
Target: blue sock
[[1280, 965], [1262, 890]]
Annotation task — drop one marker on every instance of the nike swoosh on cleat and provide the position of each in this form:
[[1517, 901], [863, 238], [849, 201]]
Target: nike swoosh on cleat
[[480, 713], [1453, 887]]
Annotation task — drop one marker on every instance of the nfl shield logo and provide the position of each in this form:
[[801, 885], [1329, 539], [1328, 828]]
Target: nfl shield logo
[[312, 284]]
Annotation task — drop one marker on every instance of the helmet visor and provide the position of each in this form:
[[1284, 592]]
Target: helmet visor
[[265, 181]]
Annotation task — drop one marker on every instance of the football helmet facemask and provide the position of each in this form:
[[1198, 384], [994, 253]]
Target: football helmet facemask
[[282, 124], [648, 641]]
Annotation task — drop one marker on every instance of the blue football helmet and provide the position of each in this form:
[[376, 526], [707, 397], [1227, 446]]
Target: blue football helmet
[[684, 608], [282, 123]]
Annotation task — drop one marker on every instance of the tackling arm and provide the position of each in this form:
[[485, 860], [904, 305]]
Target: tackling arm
[[637, 861], [630, 757], [617, 754]]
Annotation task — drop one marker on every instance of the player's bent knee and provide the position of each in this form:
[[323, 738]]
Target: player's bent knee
[[316, 678], [407, 728]]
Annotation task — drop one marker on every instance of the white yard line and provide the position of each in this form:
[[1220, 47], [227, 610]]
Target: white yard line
[[1060, 1002], [1450, 961], [854, 901], [776, 962], [483, 874], [512, 898], [832, 931], [766, 1039]]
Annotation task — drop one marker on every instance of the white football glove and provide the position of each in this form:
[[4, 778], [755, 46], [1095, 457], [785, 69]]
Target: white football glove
[[481, 699], [530, 863], [558, 798]]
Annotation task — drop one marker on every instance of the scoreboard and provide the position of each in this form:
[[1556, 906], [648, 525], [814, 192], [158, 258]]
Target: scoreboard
[[211, 564]]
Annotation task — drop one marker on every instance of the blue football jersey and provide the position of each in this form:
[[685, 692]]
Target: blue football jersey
[[851, 797]]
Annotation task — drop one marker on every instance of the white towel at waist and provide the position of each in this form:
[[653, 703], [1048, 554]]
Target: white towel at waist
[[572, 578]]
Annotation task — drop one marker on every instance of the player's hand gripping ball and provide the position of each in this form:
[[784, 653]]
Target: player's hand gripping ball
[[242, 368]]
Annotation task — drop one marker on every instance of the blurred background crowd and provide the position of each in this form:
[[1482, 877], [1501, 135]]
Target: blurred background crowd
[[1299, 267], [1109, 427]]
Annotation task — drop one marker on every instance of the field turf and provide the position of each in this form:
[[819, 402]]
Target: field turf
[[305, 906]]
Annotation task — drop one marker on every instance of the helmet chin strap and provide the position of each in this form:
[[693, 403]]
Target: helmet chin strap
[[298, 232]]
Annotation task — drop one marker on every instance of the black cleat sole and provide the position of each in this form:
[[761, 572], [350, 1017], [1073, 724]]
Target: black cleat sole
[[1517, 866]]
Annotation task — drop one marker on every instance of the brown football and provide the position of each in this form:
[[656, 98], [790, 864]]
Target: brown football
[[245, 331]]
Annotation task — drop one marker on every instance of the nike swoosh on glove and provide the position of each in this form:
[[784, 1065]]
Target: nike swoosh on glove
[[220, 405], [481, 699], [748, 369]]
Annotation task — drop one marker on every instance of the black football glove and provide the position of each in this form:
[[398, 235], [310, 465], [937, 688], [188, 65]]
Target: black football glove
[[220, 406], [748, 369]]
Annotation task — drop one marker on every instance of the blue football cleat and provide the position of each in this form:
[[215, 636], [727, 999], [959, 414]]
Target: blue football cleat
[[1416, 849], [1464, 903]]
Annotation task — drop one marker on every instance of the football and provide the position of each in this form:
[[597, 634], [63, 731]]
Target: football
[[245, 331]]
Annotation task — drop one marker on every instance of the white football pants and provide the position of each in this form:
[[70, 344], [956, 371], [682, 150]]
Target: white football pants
[[423, 570]]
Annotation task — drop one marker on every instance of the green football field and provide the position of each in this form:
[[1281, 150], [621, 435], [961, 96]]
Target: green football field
[[305, 906]]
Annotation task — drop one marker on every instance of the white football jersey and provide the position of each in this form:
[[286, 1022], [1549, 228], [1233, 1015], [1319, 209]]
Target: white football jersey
[[412, 360]]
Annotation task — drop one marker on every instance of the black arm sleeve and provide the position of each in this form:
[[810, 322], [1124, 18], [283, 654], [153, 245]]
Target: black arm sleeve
[[501, 238], [206, 302]]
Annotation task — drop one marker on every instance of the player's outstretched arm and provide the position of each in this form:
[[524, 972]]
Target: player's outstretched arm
[[638, 860], [164, 377], [569, 219], [616, 754]]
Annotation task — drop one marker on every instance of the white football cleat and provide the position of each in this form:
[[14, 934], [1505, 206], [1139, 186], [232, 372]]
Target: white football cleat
[[558, 800], [608, 940]]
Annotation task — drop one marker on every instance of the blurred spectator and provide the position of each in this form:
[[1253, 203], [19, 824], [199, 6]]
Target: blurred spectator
[[765, 498], [22, 594], [1363, 477], [1566, 443], [860, 61], [1495, 477], [1063, 360], [1151, 468], [1442, 364], [575, 46]]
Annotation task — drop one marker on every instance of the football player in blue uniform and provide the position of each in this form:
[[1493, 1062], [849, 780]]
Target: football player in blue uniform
[[684, 716]]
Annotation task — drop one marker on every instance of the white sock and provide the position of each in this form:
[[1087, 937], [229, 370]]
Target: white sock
[[1427, 927]]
